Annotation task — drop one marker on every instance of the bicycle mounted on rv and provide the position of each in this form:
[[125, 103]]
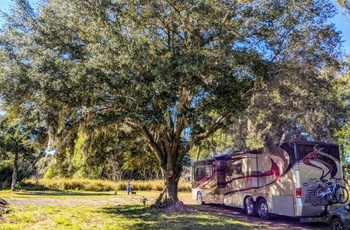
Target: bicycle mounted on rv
[[328, 193]]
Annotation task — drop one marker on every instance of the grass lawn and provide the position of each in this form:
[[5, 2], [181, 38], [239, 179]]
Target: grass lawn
[[104, 210]]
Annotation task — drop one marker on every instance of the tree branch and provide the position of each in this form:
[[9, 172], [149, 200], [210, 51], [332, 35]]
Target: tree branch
[[210, 130], [151, 142]]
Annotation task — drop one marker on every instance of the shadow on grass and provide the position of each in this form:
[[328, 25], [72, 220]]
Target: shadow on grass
[[201, 217], [276, 222], [63, 193], [33, 187], [39, 190], [140, 217]]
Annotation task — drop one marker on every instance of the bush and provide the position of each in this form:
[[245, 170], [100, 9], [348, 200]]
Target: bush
[[5, 174], [100, 185], [49, 174]]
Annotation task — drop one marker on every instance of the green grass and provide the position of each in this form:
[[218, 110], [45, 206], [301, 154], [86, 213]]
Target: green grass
[[103, 210]]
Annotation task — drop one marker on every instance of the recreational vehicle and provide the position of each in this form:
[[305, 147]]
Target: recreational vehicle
[[275, 180]]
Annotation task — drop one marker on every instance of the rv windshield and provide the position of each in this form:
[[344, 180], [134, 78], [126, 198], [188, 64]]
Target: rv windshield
[[304, 150], [203, 169]]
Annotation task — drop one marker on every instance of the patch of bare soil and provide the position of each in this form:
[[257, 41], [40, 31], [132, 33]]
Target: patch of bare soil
[[75, 201], [178, 207]]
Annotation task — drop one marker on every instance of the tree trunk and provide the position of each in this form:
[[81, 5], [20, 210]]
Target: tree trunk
[[172, 189], [15, 173], [169, 159], [169, 195]]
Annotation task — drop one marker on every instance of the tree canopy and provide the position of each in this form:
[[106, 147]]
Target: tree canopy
[[173, 71]]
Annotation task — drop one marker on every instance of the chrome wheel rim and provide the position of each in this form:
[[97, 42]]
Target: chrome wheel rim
[[263, 209], [337, 226], [250, 206]]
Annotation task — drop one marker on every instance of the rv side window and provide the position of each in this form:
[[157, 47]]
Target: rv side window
[[237, 168]]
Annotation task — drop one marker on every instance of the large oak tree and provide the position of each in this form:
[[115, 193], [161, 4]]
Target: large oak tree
[[173, 70]]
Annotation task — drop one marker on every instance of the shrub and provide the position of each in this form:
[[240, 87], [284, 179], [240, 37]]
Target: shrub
[[5, 174], [99, 185], [49, 174]]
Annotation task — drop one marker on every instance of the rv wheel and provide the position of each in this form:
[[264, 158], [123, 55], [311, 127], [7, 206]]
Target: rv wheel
[[249, 206], [263, 210], [200, 198], [336, 224]]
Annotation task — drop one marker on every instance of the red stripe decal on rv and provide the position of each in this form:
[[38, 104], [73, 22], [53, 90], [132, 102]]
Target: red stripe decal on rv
[[274, 170], [313, 156]]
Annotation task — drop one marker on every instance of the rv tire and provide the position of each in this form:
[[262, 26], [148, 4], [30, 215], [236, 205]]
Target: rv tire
[[263, 209], [336, 224], [200, 198], [249, 206]]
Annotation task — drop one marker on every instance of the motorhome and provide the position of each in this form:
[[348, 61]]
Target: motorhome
[[266, 181]]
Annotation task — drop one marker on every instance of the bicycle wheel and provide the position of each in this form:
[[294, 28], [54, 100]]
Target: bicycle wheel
[[341, 194], [312, 198], [321, 196]]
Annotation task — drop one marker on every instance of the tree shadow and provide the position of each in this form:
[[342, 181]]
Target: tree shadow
[[151, 218], [50, 192], [276, 222], [204, 217], [33, 187]]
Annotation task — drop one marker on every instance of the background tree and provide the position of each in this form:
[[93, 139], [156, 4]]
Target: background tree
[[298, 100], [173, 71], [343, 88], [18, 143]]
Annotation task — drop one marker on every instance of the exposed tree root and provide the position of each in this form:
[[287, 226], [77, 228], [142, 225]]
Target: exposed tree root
[[3, 202], [160, 200], [3, 205], [169, 205]]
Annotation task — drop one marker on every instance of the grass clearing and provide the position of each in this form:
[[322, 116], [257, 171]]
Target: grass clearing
[[78, 210]]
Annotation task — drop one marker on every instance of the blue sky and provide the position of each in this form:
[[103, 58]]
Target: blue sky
[[4, 4], [342, 21]]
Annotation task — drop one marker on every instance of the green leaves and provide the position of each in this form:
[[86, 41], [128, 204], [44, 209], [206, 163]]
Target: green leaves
[[174, 71], [17, 138]]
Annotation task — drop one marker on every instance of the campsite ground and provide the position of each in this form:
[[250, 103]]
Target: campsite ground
[[103, 210]]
